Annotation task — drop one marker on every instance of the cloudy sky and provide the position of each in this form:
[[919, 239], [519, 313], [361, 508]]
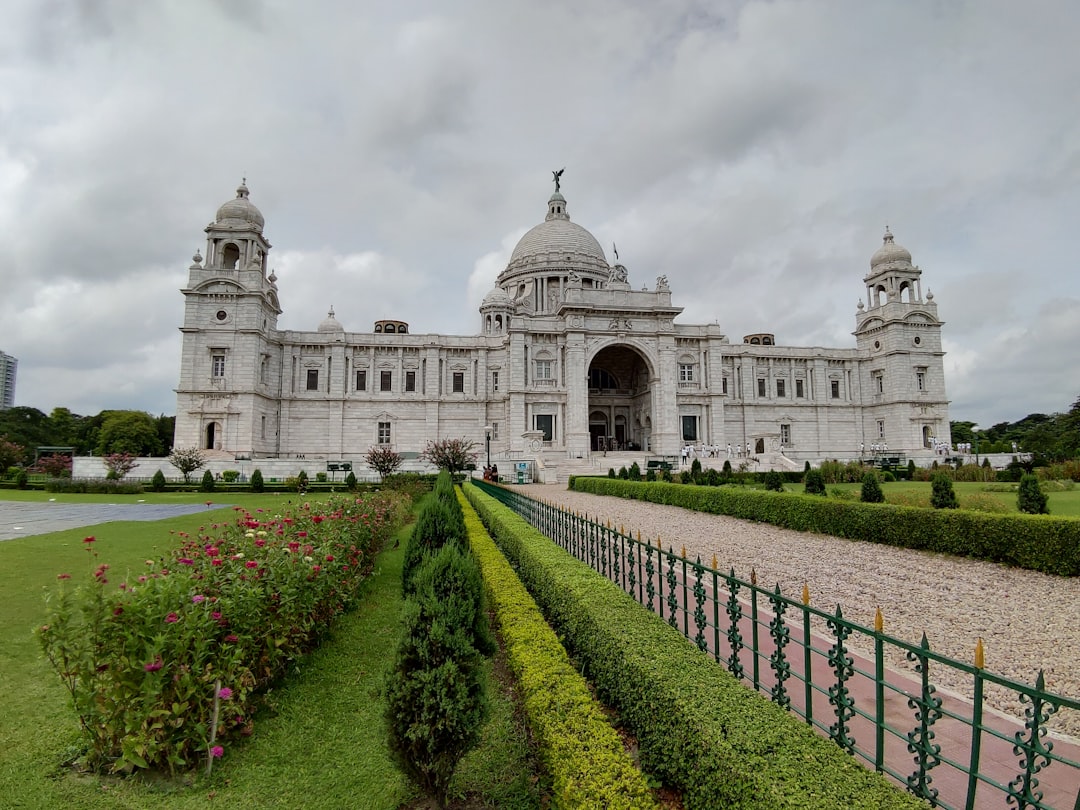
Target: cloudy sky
[[751, 151]]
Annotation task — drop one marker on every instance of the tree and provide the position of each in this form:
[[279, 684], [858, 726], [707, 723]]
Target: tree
[[132, 432], [207, 484], [57, 465], [186, 460], [10, 454], [941, 494], [27, 427], [383, 459], [814, 483], [1030, 497], [119, 465], [871, 490], [450, 454], [157, 483], [774, 481], [166, 429], [257, 481]]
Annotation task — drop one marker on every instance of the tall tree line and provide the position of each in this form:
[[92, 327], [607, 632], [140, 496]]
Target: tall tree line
[[135, 432], [1055, 436]]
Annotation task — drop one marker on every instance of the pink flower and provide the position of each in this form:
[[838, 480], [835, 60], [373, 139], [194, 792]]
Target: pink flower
[[212, 551], [251, 564], [216, 614], [260, 542], [225, 693], [197, 598], [186, 561], [217, 752], [153, 666], [216, 561], [232, 638], [329, 557], [301, 534], [172, 618]]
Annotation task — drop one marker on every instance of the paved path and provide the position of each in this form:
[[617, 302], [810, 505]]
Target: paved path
[[22, 519]]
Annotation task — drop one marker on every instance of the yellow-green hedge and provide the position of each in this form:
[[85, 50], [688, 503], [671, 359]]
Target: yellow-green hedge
[[697, 727], [584, 756], [1038, 542]]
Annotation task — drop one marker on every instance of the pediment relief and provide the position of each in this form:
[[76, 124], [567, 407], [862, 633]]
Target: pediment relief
[[919, 317], [312, 363], [219, 285]]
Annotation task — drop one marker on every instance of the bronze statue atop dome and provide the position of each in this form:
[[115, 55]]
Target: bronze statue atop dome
[[557, 175]]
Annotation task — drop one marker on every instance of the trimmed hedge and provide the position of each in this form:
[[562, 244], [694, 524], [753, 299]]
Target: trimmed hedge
[[582, 752], [697, 727], [1037, 542]]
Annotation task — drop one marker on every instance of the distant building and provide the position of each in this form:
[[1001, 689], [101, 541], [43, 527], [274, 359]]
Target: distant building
[[8, 364], [569, 360]]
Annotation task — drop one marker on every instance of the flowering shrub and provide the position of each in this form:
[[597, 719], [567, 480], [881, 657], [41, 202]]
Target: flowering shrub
[[212, 624]]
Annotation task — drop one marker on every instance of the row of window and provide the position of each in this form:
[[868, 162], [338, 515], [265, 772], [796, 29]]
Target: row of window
[[386, 381]]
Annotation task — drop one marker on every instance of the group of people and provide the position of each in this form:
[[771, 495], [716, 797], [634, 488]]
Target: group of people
[[491, 473], [690, 452], [876, 448]]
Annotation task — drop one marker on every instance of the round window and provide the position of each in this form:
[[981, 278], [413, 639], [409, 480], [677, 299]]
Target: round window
[[917, 341], [222, 314], [877, 344]]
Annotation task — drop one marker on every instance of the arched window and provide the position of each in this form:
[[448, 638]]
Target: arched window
[[755, 341], [390, 328], [378, 327], [230, 256]]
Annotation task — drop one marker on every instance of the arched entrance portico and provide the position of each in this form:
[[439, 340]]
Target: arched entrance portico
[[620, 399]]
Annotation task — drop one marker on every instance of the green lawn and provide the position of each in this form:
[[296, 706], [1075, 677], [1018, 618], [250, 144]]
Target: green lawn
[[322, 745], [1063, 503]]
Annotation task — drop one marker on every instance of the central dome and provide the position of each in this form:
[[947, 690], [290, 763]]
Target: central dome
[[557, 236], [557, 243]]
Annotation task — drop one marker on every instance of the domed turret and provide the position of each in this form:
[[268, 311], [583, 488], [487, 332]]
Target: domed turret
[[240, 212], [889, 253], [330, 323]]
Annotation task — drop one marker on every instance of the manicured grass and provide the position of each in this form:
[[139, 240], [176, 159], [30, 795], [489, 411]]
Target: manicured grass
[[1062, 503], [321, 745]]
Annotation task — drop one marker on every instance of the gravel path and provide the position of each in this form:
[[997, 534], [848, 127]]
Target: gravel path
[[1028, 621]]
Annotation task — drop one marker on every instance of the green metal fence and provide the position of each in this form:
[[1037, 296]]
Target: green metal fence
[[832, 672]]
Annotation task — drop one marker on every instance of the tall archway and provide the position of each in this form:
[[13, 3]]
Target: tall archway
[[620, 399], [213, 436]]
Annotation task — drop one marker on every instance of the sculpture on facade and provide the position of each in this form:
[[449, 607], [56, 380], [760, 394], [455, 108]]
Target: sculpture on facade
[[558, 175]]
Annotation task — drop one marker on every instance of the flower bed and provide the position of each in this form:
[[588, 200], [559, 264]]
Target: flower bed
[[167, 666]]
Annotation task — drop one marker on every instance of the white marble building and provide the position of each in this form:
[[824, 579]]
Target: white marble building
[[568, 358]]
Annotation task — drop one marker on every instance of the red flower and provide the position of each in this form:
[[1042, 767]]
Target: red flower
[[216, 561], [154, 665], [232, 638], [260, 543], [63, 576], [251, 564], [329, 557], [89, 539], [212, 551], [172, 618]]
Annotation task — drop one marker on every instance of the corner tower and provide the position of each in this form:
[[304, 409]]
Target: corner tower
[[903, 378], [230, 360]]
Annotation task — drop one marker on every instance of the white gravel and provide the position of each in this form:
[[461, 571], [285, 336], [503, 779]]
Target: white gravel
[[1028, 621]]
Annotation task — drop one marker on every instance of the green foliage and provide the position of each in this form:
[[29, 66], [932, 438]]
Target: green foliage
[[942, 495], [836, 472], [350, 481], [650, 474], [697, 728], [611, 472], [806, 467], [585, 758], [57, 465], [911, 469], [634, 473], [207, 484], [774, 481], [230, 476], [301, 482], [187, 460], [624, 473], [22, 478], [93, 486], [157, 482], [257, 484], [436, 702], [712, 477], [133, 432], [813, 482], [1038, 542], [438, 523], [695, 468], [871, 489], [686, 477], [727, 468], [1030, 497], [321, 477]]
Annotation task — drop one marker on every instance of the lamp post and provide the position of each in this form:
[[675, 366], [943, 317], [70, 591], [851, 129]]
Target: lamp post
[[487, 443]]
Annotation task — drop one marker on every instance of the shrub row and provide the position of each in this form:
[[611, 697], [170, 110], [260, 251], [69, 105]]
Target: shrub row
[[436, 702], [1038, 542], [166, 666], [697, 727], [581, 751]]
